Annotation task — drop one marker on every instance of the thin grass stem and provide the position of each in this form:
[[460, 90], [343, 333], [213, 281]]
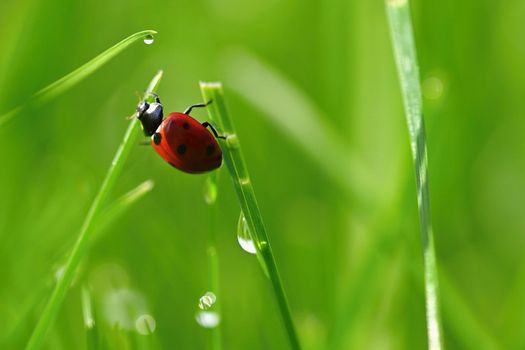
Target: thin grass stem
[[210, 195], [400, 25], [70, 80], [80, 248], [234, 159], [92, 336]]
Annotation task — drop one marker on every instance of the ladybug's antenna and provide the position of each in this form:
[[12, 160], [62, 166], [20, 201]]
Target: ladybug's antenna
[[151, 93]]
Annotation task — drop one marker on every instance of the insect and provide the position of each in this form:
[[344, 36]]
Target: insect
[[179, 139]]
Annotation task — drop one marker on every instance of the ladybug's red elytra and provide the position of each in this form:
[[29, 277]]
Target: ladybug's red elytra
[[179, 139]]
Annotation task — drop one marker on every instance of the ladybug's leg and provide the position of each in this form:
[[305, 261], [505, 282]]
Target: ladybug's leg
[[206, 124], [156, 138], [196, 105]]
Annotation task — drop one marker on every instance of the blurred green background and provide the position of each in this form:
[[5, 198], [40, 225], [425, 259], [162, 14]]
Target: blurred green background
[[340, 208]]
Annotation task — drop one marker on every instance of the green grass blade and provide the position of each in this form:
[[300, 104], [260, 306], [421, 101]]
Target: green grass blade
[[244, 233], [86, 232], [210, 196], [406, 61], [234, 159], [68, 81], [109, 215], [113, 212]]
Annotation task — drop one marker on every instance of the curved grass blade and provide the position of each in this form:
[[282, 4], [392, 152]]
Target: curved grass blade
[[88, 227], [68, 81], [234, 159], [405, 56], [110, 215]]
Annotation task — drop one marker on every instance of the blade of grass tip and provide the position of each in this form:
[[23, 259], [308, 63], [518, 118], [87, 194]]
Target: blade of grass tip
[[405, 56], [89, 320], [210, 196], [86, 232], [234, 159], [118, 207], [68, 81], [289, 109]]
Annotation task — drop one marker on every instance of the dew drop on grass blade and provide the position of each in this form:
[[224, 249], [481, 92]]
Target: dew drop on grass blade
[[70, 80], [145, 324], [244, 236], [234, 160], [207, 301]]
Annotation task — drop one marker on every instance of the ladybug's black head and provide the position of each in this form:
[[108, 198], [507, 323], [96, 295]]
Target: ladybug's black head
[[150, 115]]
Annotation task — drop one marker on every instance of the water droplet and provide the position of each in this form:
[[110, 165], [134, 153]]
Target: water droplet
[[149, 39], [207, 319], [247, 245], [244, 181], [244, 236], [207, 300], [210, 189], [145, 324]]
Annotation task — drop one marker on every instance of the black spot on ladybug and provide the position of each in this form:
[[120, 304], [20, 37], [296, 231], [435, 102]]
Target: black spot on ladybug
[[157, 138], [186, 126], [210, 149], [181, 149]]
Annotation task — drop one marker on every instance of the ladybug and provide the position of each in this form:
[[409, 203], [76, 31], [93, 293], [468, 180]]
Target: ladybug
[[182, 141]]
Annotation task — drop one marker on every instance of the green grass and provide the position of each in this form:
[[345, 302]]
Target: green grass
[[70, 80], [92, 336], [315, 97], [80, 248], [210, 197], [407, 67], [116, 209], [234, 159]]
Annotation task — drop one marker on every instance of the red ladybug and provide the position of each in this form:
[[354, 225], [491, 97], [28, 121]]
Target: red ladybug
[[181, 140]]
